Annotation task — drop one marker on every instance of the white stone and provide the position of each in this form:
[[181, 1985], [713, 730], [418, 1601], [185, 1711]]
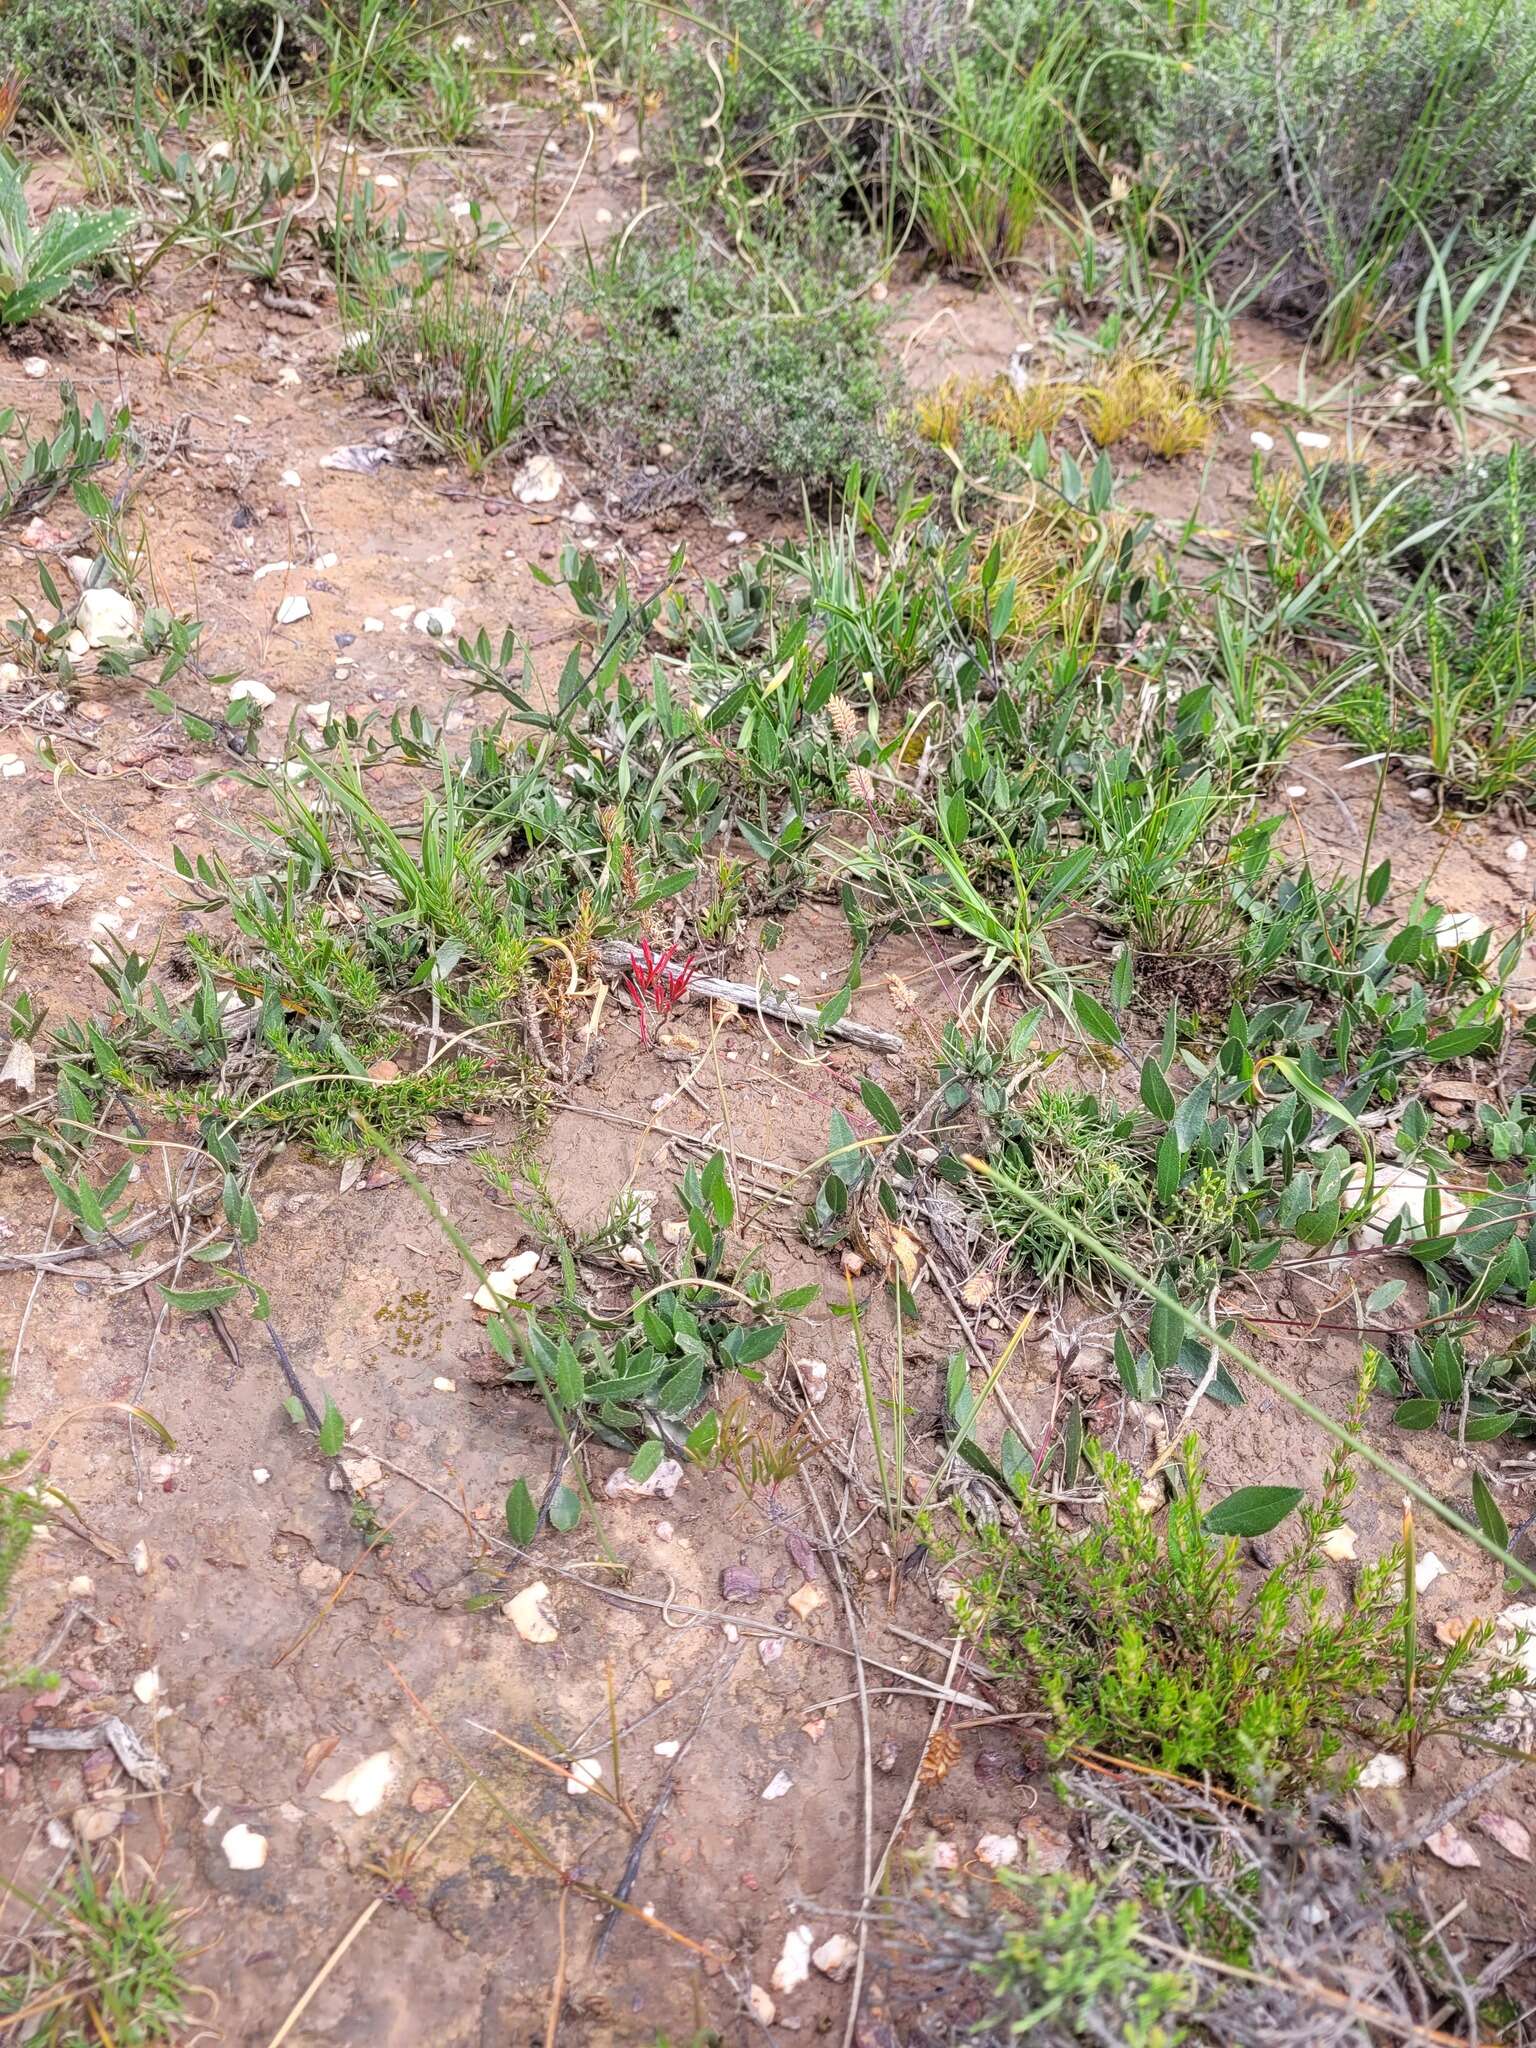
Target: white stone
[[249, 691], [836, 1957], [502, 1282], [1398, 1191], [1459, 928], [531, 1614], [586, 1772], [998, 1851], [1382, 1773], [794, 1964], [243, 1848], [1427, 1570], [538, 482], [365, 1787], [146, 1687], [292, 609], [437, 620], [106, 618], [35, 366]]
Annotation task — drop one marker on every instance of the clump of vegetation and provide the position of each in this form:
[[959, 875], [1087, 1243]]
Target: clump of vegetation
[[1428, 582], [109, 1964], [1330, 151], [1146, 1638], [766, 370], [1134, 399], [38, 265], [471, 369], [1205, 1919]]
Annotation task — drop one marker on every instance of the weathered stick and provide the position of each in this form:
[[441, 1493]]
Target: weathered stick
[[618, 954]]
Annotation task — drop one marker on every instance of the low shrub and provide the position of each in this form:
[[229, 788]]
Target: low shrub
[[1325, 149], [766, 372], [1149, 1639]]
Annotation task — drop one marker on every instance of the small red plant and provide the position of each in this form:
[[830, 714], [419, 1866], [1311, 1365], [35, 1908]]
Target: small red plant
[[656, 985]]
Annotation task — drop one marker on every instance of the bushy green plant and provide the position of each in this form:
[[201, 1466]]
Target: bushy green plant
[[1072, 1965], [109, 1963], [1341, 141], [82, 56], [1439, 605], [1146, 1639], [39, 264], [815, 101], [768, 371], [982, 168], [471, 369]]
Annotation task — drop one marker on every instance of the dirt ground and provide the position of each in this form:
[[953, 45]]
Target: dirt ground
[[287, 1650]]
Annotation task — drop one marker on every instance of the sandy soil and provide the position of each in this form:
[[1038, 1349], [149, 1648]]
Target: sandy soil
[[287, 1650]]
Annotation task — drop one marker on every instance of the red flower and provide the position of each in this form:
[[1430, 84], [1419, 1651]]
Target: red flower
[[656, 986]]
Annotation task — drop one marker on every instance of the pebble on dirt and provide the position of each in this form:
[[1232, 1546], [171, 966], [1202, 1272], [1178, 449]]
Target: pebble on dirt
[[365, 1787], [806, 1601], [291, 610], [1397, 1191], [146, 1687], [836, 1957], [243, 1848], [531, 1614], [1512, 1836], [1458, 928], [794, 1964], [248, 690], [780, 1783], [1453, 1848], [586, 1772], [106, 618], [1383, 1772], [997, 1851], [538, 482], [663, 1482], [502, 1282]]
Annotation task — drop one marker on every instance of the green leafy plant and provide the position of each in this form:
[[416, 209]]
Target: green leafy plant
[[38, 265], [642, 1379], [63, 460], [1152, 1643]]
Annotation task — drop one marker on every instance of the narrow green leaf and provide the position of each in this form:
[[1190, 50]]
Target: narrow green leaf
[[1489, 1517], [333, 1429], [1253, 1510], [522, 1515], [1156, 1095]]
